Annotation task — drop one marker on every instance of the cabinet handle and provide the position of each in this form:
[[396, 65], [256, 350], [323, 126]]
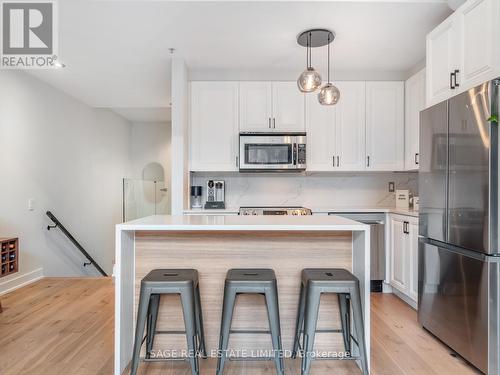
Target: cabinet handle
[[333, 160], [406, 227], [237, 162], [338, 158], [451, 81], [455, 74], [274, 123], [416, 159], [368, 161], [269, 122]]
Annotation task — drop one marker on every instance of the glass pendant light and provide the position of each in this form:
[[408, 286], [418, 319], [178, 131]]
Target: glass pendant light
[[329, 93], [309, 80]]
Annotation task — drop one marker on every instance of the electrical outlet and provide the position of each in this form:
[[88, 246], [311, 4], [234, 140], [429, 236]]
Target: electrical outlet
[[392, 187]]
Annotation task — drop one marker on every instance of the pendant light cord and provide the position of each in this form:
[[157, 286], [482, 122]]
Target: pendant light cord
[[328, 58], [309, 63]]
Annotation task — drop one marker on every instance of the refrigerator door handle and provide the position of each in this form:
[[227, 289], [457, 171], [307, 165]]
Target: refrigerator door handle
[[455, 249]]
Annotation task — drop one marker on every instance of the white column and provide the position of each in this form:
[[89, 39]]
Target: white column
[[179, 145]]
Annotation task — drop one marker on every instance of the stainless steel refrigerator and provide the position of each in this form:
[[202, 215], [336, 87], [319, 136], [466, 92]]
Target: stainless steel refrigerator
[[459, 258]]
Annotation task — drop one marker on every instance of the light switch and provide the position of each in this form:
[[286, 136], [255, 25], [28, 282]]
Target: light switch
[[31, 204], [391, 187]]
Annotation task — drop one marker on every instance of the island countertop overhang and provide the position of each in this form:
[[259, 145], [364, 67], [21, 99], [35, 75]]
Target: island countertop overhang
[[242, 223]]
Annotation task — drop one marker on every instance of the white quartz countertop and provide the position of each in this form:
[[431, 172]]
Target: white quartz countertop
[[242, 223], [390, 210], [315, 210]]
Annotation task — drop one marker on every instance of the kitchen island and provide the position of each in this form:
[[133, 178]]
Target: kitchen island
[[214, 244]]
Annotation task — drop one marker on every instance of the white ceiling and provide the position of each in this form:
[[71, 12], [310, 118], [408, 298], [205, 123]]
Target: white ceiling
[[148, 114], [117, 52]]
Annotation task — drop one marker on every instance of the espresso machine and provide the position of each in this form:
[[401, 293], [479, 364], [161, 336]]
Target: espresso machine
[[215, 194]]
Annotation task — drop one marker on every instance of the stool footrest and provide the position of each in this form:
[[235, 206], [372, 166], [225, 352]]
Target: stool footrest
[[329, 331], [170, 332], [163, 359], [250, 331], [250, 359], [336, 358], [325, 331]]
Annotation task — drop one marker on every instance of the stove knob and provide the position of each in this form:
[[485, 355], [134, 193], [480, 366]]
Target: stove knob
[[254, 213], [295, 213]]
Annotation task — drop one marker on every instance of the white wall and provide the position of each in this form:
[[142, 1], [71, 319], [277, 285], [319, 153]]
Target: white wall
[[150, 144], [70, 159], [326, 190]]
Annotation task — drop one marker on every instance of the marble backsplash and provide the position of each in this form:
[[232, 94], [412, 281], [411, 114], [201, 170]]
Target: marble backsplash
[[311, 190]]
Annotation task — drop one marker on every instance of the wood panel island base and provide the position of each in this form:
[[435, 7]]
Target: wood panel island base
[[213, 245]]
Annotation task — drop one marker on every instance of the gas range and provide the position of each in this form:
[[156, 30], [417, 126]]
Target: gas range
[[295, 211]]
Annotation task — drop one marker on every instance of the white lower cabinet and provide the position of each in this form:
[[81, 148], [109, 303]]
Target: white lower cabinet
[[403, 270], [413, 243]]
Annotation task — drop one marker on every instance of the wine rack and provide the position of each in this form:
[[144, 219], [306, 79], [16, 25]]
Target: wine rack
[[9, 256]]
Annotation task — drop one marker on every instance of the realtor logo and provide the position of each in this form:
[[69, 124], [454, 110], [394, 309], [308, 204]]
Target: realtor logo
[[28, 34]]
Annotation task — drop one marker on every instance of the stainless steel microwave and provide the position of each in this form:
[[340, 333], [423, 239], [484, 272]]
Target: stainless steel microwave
[[272, 152]]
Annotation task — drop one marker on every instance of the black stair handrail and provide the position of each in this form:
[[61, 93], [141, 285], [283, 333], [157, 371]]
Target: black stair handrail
[[57, 224]]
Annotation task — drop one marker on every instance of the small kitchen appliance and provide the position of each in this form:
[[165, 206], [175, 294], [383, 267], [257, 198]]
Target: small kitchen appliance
[[215, 194], [272, 152], [196, 196], [403, 199]]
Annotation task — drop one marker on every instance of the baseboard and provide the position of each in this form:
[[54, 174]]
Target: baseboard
[[405, 298], [20, 281], [386, 288]]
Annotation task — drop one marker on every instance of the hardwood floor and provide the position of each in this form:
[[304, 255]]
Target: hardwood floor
[[65, 326]]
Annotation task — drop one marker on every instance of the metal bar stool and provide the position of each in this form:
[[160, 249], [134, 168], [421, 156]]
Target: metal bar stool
[[251, 281], [170, 281], [316, 281]]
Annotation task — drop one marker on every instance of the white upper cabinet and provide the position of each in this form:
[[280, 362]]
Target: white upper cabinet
[[271, 106], [288, 107], [385, 126], [214, 126], [414, 103], [320, 125], [256, 106], [462, 52], [441, 52], [364, 131], [350, 140], [336, 134], [479, 41]]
